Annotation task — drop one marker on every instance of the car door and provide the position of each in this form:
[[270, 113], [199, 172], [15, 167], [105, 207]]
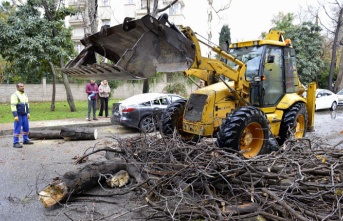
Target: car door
[[159, 105], [329, 98], [320, 100]]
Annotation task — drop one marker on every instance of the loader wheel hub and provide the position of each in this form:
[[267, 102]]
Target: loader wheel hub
[[247, 138], [252, 140]]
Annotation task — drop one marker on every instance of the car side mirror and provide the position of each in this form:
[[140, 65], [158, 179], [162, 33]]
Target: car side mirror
[[319, 95]]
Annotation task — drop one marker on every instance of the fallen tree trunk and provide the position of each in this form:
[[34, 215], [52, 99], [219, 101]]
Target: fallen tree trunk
[[71, 133], [79, 133], [74, 182], [45, 134]]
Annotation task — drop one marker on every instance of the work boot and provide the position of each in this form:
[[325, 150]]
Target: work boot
[[17, 145], [28, 142], [95, 118]]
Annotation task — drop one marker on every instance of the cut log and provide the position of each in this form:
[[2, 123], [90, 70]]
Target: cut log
[[79, 133], [78, 181], [45, 134]]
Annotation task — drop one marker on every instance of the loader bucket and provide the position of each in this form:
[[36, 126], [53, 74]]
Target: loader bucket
[[136, 49]]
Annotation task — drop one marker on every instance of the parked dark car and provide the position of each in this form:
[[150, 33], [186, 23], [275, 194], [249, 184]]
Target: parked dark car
[[142, 111]]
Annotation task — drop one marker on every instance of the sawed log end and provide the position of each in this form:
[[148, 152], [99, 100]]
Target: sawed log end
[[53, 193]]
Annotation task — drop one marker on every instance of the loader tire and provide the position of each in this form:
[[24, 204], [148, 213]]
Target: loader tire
[[294, 123], [245, 129], [172, 119]]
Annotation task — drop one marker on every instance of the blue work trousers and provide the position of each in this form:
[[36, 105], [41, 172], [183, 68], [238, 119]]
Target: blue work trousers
[[23, 123]]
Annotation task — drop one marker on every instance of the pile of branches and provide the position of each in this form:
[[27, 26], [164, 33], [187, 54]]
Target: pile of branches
[[300, 181]]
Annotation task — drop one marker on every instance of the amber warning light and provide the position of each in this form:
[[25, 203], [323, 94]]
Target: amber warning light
[[288, 42]]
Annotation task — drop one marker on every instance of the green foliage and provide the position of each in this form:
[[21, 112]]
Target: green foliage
[[224, 36], [30, 40], [283, 21], [176, 88], [41, 111], [307, 42]]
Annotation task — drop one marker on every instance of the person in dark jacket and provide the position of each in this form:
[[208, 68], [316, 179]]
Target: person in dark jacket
[[92, 93], [21, 112]]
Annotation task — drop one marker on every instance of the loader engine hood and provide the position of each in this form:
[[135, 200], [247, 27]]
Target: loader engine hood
[[136, 49]]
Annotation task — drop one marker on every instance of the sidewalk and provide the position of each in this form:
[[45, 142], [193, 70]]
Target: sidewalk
[[7, 128]]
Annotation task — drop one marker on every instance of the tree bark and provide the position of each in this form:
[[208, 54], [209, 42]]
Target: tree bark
[[77, 181], [335, 44], [52, 106], [70, 98], [339, 80], [45, 134], [75, 133]]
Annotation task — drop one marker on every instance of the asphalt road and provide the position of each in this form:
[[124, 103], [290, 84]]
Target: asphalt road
[[328, 126], [24, 172]]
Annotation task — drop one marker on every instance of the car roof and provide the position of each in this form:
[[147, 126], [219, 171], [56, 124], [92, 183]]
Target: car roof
[[140, 98], [323, 90]]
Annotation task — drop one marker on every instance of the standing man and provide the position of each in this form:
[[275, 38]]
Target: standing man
[[21, 113], [92, 91], [104, 93]]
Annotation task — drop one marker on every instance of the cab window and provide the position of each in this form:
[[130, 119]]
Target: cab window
[[273, 81]]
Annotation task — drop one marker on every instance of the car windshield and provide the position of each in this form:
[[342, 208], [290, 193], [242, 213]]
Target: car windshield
[[249, 55], [340, 92]]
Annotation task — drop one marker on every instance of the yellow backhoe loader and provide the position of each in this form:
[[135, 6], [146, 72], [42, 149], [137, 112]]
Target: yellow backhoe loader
[[252, 95]]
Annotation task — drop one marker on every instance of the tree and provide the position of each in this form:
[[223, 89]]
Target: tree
[[283, 21], [335, 45], [30, 40], [307, 42], [224, 37], [334, 14]]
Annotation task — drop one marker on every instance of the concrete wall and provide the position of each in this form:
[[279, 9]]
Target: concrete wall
[[43, 92]]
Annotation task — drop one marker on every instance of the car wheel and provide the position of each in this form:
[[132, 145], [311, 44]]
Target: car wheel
[[245, 129], [294, 123], [172, 119], [333, 106], [147, 124]]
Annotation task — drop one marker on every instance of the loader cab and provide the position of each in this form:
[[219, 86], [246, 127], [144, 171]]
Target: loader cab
[[270, 71]]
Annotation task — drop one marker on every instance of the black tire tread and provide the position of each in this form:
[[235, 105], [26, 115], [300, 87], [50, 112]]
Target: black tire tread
[[289, 119], [171, 115], [170, 119], [230, 130]]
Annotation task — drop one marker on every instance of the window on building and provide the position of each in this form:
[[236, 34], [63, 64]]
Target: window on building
[[170, 77], [106, 2], [175, 9], [106, 22], [78, 47], [144, 4]]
